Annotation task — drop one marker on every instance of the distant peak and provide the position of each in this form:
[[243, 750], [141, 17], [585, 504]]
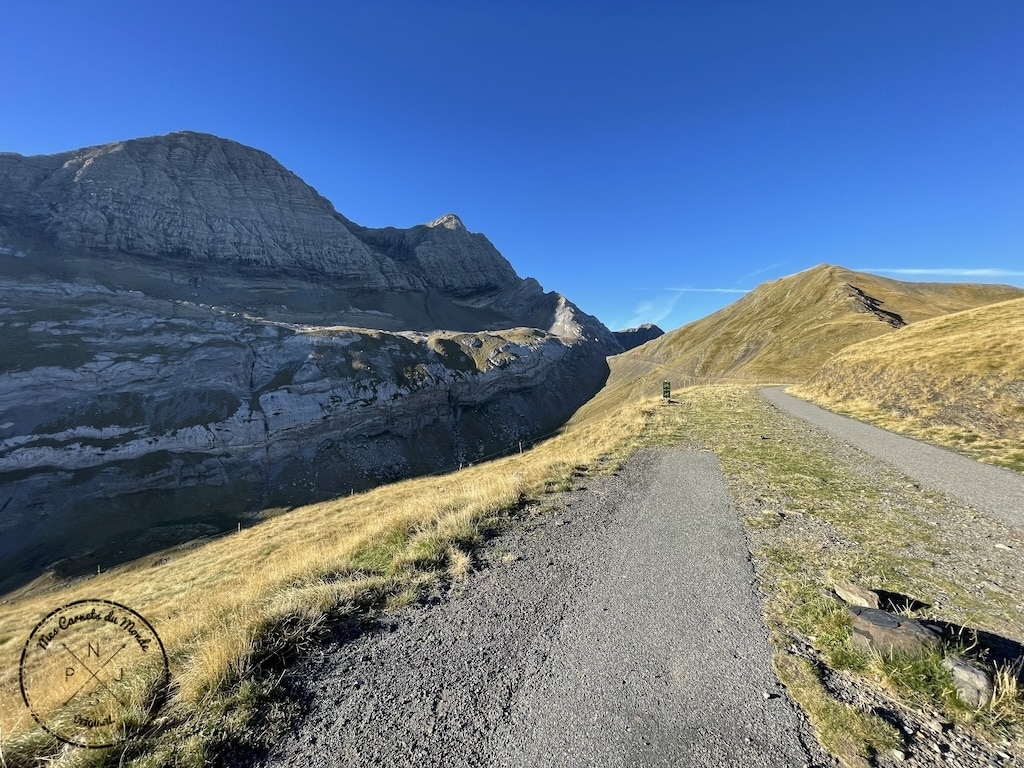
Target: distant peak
[[448, 221]]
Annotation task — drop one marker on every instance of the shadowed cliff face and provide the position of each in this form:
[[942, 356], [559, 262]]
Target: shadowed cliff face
[[184, 341]]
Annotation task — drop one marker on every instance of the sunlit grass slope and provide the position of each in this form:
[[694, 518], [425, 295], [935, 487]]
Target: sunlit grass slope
[[957, 380], [229, 608], [784, 330]]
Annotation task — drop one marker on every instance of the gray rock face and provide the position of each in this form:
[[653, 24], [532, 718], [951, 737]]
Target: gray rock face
[[185, 340], [634, 337], [193, 217]]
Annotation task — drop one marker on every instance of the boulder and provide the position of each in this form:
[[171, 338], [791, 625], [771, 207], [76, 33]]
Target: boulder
[[973, 684], [852, 594], [888, 633]]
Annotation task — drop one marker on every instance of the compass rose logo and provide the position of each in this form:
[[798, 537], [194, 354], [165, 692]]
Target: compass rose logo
[[93, 672]]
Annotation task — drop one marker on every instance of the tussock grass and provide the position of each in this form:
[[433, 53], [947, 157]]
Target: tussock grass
[[231, 610], [956, 380]]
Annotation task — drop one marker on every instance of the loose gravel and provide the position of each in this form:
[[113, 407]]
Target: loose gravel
[[618, 627]]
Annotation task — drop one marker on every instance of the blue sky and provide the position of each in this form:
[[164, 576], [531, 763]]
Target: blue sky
[[650, 160]]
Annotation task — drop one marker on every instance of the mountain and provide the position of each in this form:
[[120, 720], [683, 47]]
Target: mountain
[[634, 337], [784, 330], [956, 379], [190, 334], [193, 217]]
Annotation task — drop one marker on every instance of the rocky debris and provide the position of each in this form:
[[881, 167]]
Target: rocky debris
[[883, 631], [852, 594], [879, 630], [634, 337], [929, 739], [872, 306], [973, 684]]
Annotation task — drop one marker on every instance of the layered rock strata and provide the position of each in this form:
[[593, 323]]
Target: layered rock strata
[[189, 334]]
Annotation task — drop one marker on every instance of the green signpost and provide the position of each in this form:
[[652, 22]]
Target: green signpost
[[666, 390]]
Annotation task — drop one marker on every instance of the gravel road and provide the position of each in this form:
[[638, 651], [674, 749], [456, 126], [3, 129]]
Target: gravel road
[[990, 489], [619, 628]]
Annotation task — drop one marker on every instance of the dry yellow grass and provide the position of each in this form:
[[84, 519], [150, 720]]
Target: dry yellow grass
[[221, 607], [784, 330], [956, 380]]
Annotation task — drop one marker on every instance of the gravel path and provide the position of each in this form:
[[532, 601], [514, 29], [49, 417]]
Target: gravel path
[[990, 489], [622, 628]]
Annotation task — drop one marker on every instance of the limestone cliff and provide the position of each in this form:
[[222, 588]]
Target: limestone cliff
[[193, 217], [189, 334]]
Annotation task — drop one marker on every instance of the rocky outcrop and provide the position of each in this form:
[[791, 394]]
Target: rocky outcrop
[[189, 335], [634, 337]]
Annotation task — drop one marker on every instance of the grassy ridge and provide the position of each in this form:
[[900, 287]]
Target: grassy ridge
[[784, 330], [957, 380]]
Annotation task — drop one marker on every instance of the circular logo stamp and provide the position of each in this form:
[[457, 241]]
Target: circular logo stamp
[[93, 672]]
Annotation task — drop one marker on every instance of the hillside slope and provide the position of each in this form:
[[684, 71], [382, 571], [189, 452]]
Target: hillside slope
[[957, 380], [786, 329]]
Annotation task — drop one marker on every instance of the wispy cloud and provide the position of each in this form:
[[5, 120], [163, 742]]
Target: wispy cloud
[[762, 270], [654, 310], [947, 272]]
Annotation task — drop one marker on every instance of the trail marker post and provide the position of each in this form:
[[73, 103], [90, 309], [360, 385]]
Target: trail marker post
[[666, 390]]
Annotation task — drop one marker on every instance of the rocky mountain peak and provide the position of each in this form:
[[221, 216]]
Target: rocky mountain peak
[[448, 221], [634, 337], [195, 217]]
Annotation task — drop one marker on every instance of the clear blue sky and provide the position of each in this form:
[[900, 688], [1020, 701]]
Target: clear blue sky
[[643, 158]]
